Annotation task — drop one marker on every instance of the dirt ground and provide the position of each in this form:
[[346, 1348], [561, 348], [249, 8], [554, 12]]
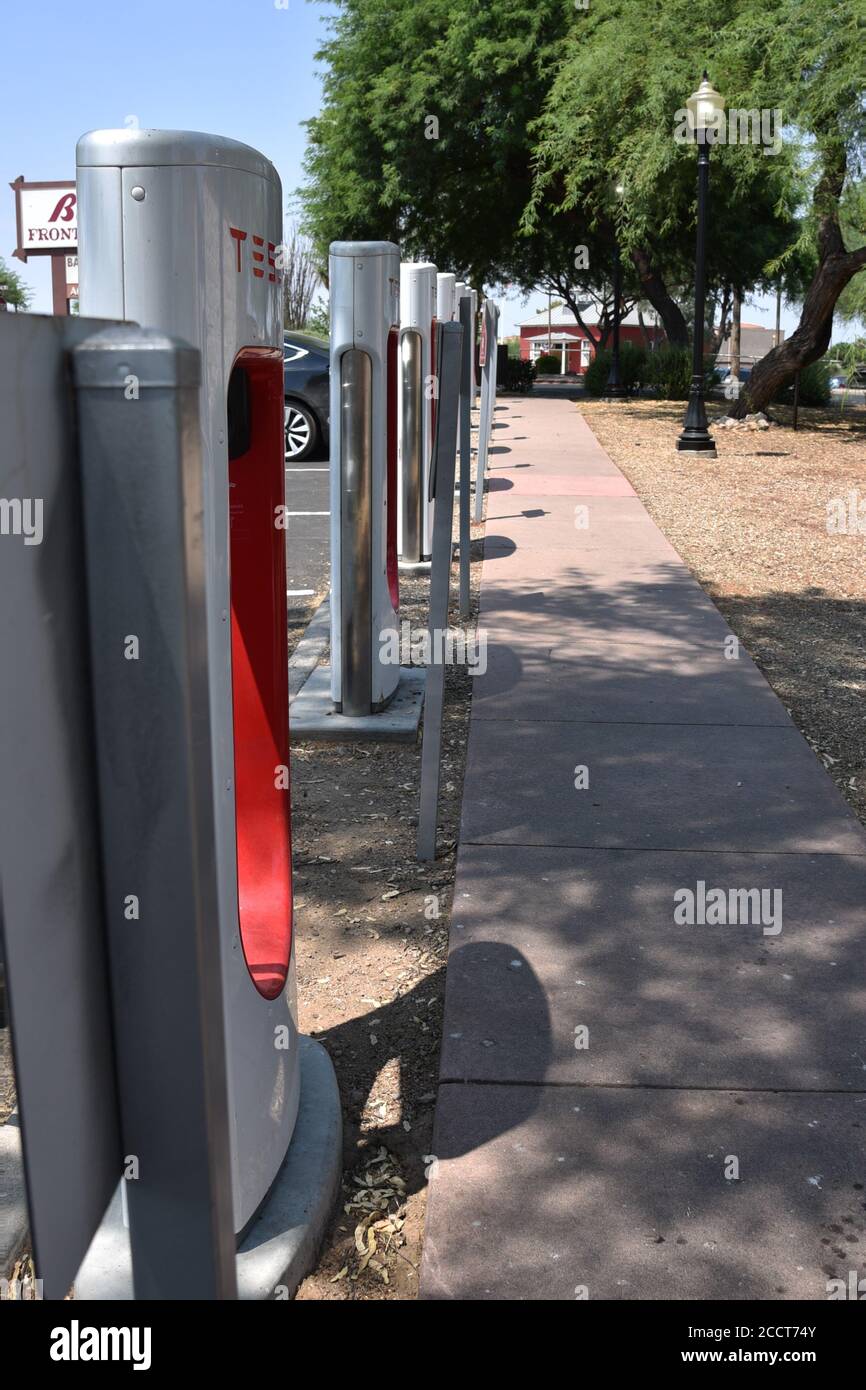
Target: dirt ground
[[752, 526], [371, 929]]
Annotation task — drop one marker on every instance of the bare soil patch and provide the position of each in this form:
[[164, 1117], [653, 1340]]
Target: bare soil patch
[[371, 929]]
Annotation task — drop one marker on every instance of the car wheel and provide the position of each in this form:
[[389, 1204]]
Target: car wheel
[[300, 430]]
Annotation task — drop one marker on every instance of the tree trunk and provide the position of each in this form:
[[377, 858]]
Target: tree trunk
[[836, 267], [654, 289], [735, 334], [810, 339]]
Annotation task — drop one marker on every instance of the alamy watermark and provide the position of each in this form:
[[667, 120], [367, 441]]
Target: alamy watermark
[[22, 516], [720, 907], [441, 647], [733, 127], [846, 516]]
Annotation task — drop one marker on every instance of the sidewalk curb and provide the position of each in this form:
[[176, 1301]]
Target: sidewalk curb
[[305, 657]]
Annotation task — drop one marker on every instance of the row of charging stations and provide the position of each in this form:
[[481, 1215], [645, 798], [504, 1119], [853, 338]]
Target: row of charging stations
[[217, 286], [384, 319], [178, 231]]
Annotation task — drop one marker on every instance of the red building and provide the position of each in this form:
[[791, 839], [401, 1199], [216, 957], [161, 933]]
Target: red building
[[564, 337]]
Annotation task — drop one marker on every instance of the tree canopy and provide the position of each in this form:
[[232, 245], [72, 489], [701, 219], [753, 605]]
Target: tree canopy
[[515, 141]]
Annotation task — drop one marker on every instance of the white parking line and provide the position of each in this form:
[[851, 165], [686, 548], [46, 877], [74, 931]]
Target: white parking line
[[307, 470], [299, 593]]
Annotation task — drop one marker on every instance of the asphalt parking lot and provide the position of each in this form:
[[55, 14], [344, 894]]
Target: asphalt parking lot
[[307, 539]]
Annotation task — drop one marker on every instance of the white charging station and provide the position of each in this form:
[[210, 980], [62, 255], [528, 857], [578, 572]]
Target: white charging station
[[446, 296], [417, 410], [365, 328], [178, 231]]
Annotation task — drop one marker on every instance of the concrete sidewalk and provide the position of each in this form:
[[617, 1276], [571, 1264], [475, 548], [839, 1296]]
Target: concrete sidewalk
[[704, 1137]]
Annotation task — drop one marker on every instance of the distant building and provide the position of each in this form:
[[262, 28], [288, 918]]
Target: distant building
[[755, 343], [576, 350], [566, 338]]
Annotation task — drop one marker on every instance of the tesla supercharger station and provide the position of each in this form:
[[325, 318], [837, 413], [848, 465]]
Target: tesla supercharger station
[[417, 410], [178, 231], [446, 296], [365, 329]]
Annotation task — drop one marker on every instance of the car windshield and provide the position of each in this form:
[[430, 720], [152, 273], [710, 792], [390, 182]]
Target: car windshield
[[308, 341]]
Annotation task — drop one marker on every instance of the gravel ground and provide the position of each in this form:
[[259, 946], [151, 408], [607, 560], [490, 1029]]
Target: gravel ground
[[752, 527]]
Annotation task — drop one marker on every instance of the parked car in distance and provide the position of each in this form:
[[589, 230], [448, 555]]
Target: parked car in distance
[[837, 382], [306, 393]]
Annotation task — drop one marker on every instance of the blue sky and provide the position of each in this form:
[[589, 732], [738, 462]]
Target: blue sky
[[242, 68]]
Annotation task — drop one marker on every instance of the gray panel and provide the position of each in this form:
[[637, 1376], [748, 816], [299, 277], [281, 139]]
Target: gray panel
[[54, 941], [145, 549]]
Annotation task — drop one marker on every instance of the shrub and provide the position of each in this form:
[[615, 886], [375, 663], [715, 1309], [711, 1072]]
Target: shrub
[[518, 375], [814, 386], [669, 373], [632, 369], [548, 363]]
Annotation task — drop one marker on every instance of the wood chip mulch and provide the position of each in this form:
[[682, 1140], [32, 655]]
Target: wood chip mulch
[[752, 525]]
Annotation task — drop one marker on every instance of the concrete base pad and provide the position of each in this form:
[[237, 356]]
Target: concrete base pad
[[281, 1246], [313, 718], [414, 566]]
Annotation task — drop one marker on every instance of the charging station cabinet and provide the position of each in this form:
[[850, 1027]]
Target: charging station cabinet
[[179, 231], [446, 296], [365, 384], [417, 413]]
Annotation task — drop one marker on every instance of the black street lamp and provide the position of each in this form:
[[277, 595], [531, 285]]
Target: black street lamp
[[614, 390], [705, 106]]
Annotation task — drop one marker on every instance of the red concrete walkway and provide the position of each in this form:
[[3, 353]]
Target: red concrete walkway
[[633, 1104]]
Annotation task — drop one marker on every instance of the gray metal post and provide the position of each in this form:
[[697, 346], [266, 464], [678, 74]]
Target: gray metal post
[[485, 421], [144, 543], [450, 353], [55, 950], [465, 453], [494, 371]]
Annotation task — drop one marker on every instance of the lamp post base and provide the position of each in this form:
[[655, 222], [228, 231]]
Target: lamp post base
[[695, 437], [615, 393], [697, 444]]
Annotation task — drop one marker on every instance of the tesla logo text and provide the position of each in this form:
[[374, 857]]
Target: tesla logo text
[[258, 256]]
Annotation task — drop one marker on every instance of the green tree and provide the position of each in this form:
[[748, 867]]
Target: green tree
[[13, 289], [611, 111], [487, 137], [810, 60], [422, 138]]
